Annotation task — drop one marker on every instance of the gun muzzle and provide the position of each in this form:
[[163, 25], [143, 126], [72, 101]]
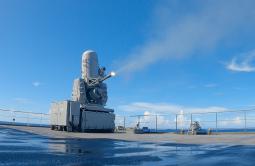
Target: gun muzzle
[[112, 74]]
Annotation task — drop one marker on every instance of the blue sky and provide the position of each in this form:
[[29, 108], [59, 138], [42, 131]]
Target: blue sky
[[170, 56]]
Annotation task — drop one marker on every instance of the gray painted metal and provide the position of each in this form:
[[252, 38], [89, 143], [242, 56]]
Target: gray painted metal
[[65, 113], [97, 121], [90, 92], [90, 65], [90, 88]]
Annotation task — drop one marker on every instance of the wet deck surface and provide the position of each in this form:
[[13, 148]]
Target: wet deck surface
[[25, 148], [230, 139]]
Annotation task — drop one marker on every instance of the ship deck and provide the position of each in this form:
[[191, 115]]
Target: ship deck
[[219, 138]]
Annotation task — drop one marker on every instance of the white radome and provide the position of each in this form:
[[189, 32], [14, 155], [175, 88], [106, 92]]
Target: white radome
[[89, 65]]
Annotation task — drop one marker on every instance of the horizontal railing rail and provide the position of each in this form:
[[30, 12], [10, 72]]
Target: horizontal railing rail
[[215, 120]]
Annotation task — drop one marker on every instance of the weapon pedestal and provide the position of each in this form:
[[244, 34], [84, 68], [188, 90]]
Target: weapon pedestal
[[95, 118]]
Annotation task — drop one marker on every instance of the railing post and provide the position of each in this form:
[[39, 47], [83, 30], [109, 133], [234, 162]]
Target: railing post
[[191, 118], [27, 119], [124, 122], [14, 118], [41, 120], [156, 123], [216, 114], [139, 121], [176, 122], [245, 121]]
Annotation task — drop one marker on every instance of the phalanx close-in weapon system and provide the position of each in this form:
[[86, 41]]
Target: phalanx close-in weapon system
[[86, 111], [90, 89]]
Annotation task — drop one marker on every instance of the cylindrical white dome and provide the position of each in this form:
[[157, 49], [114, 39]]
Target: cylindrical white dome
[[89, 65]]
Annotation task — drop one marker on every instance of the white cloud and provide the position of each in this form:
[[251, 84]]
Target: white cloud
[[243, 62], [166, 116], [21, 100], [165, 108], [212, 85], [148, 119], [218, 94], [36, 83], [198, 30], [234, 122], [181, 120]]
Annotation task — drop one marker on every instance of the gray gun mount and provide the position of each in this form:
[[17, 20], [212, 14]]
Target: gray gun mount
[[91, 89], [99, 80], [86, 111]]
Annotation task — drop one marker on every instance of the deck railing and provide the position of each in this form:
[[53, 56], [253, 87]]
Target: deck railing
[[221, 121], [23, 118], [231, 120]]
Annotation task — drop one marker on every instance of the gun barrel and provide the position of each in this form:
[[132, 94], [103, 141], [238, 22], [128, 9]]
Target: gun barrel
[[112, 74]]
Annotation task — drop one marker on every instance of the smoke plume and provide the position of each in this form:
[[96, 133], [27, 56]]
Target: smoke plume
[[177, 35]]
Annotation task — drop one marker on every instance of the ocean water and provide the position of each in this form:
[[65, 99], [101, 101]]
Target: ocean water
[[22, 148]]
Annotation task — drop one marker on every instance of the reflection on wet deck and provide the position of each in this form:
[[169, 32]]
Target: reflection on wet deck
[[21, 148]]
